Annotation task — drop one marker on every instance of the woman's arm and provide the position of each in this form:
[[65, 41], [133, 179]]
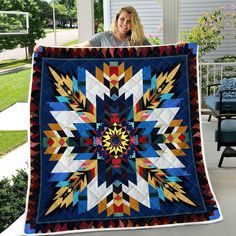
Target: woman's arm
[[86, 44], [95, 41]]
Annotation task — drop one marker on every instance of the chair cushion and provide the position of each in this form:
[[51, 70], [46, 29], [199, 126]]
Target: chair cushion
[[228, 132], [229, 83], [228, 104]]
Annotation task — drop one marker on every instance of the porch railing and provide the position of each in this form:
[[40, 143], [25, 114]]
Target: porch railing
[[210, 73]]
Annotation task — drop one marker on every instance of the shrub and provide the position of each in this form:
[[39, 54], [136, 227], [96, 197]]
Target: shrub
[[12, 198], [208, 32], [153, 39], [100, 28], [229, 71], [227, 58]]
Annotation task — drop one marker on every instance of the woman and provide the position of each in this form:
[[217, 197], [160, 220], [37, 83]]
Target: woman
[[126, 30]]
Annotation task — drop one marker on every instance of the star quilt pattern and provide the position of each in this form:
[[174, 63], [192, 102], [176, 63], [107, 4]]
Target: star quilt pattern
[[116, 140]]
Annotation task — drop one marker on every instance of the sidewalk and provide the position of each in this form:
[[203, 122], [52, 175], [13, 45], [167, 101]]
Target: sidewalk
[[15, 117], [63, 36], [14, 160], [14, 70]]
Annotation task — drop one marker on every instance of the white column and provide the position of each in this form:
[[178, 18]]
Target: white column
[[85, 14], [106, 14], [54, 22], [171, 21]]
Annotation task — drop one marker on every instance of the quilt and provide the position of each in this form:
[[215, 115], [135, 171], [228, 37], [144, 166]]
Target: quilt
[[116, 140]]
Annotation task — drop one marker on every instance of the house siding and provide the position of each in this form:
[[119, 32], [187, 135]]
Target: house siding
[[151, 14]]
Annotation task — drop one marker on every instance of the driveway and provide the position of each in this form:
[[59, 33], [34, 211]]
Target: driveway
[[62, 36]]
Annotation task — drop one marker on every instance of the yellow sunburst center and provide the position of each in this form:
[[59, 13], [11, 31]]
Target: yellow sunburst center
[[115, 140]]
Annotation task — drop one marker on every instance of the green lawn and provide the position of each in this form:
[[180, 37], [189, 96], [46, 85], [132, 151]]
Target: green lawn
[[48, 30], [11, 139], [8, 64], [72, 42], [14, 87]]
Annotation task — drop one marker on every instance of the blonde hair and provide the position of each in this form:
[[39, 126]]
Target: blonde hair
[[136, 36]]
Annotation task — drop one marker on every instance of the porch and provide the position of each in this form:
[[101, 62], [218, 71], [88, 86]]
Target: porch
[[223, 180]]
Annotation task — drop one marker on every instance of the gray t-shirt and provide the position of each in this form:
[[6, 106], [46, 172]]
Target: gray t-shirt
[[106, 39]]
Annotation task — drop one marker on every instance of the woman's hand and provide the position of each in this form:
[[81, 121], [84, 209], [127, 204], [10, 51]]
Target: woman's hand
[[36, 48], [181, 43]]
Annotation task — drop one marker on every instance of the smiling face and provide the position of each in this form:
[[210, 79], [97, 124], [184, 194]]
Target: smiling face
[[126, 27], [124, 23]]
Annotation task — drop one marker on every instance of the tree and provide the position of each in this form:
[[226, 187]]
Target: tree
[[71, 10], [11, 23], [45, 12], [66, 11], [61, 14], [98, 10], [35, 24]]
